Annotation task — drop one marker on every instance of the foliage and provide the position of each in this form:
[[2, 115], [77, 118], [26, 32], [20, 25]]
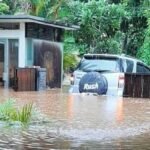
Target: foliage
[[8, 112], [46, 8], [6, 109], [69, 61], [23, 115], [144, 52], [69, 56], [133, 26], [38, 7], [11, 5], [18, 6], [3, 8], [100, 23], [106, 26]]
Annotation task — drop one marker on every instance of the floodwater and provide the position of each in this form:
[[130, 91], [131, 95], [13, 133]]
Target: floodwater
[[80, 122]]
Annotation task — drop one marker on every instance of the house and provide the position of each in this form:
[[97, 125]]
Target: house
[[27, 41]]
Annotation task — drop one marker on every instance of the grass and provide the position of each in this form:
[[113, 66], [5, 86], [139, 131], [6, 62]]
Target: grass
[[8, 112]]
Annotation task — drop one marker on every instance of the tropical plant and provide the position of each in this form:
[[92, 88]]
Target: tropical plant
[[100, 25], [144, 52], [8, 112], [70, 61], [18, 6], [13, 5], [23, 115], [4, 8], [46, 8], [133, 26], [106, 26], [38, 7], [6, 108], [70, 48]]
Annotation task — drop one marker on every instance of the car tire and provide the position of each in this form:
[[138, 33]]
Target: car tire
[[93, 82]]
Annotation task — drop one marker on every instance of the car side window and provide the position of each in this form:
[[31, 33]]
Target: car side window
[[146, 70], [128, 65], [139, 68], [142, 69]]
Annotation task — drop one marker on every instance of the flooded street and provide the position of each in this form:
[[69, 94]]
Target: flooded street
[[80, 122]]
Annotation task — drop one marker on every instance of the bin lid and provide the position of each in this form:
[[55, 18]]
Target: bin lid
[[41, 69]]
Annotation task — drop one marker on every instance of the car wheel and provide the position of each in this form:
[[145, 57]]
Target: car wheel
[[93, 82]]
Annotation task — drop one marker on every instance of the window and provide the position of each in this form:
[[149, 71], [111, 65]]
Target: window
[[1, 52], [146, 70], [130, 64], [38, 31], [142, 69], [9, 26], [127, 65], [102, 64]]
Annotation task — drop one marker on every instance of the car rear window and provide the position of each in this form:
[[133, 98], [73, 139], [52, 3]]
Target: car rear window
[[100, 64]]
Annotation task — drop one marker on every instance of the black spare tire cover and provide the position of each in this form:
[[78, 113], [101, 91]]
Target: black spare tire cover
[[93, 82]]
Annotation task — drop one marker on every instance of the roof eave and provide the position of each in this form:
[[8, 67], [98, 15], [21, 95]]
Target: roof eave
[[36, 20]]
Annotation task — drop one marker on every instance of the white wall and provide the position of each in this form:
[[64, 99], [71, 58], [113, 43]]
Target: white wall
[[20, 35]]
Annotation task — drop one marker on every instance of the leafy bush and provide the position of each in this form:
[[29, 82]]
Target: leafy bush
[[144, 52], [100, 26], [3, 8], [70, 48], [69, 61], [145, 49]]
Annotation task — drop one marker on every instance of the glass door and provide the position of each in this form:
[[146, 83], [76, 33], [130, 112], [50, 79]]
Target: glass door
[[2, 46], [13, 59], [4, 62], [8, 60]]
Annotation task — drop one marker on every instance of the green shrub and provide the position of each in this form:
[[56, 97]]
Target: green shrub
[[70, 61], [8, 112], [144, 52]]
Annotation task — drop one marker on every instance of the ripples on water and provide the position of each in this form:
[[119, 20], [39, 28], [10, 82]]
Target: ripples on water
[[80, 122]]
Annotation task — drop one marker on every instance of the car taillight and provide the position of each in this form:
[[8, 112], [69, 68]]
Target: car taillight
[[72, 79], [121, 81]]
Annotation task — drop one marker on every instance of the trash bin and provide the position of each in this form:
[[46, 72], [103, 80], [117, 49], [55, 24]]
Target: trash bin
[[41, 79]]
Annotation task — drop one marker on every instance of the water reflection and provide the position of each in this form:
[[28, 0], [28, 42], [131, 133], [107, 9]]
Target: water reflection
[[81, 121], [119, 111]]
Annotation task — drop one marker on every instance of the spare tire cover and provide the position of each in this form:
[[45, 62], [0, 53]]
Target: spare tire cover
[[93, 82]]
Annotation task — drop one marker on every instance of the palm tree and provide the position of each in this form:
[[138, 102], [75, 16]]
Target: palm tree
[[47, 8]]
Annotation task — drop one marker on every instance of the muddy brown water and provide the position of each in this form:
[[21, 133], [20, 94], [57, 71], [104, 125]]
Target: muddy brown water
[[80, 122]]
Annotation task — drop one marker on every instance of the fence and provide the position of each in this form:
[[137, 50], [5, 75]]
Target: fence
[[137, 85]]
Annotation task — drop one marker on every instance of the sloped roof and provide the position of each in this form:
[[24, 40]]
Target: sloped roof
[[39, 20]]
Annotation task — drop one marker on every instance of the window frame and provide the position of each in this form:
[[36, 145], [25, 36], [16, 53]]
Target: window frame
[[124, 65], [144, 67]]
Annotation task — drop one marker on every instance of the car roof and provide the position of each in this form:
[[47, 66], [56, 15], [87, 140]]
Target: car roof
[[123, 56]]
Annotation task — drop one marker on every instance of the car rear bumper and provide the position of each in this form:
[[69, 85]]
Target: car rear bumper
[[112, 92]]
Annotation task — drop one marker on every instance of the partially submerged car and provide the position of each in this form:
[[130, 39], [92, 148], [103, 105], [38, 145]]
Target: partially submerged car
[[103, 74]]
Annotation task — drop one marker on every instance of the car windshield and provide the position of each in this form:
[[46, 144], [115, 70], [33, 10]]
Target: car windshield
[[103, 64]]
